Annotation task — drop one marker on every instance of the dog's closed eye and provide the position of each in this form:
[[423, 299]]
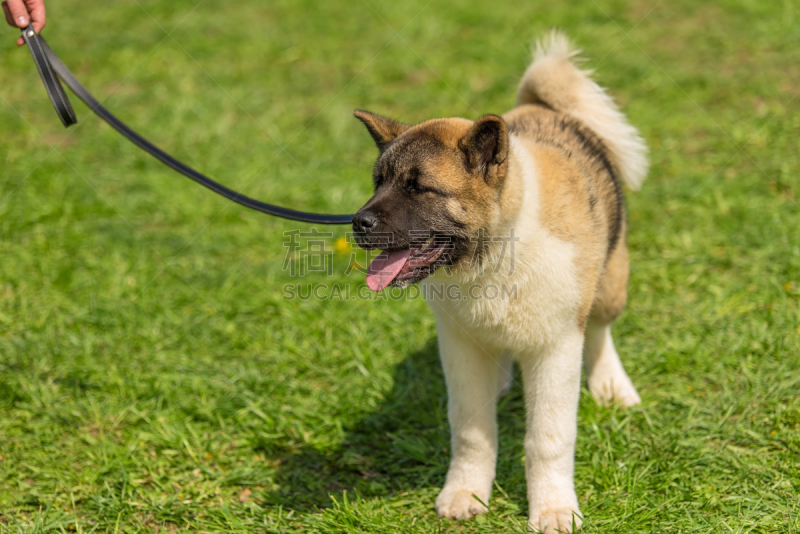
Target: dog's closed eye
[[414, 186]]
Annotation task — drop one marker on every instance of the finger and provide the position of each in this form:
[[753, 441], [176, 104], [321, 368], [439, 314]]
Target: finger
[[20, 41], [38, 15], [18, 12], [9, 17]]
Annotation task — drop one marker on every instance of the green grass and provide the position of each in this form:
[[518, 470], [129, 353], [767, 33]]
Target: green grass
[[153, 378]]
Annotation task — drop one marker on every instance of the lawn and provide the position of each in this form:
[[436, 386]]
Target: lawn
[[153, 376]]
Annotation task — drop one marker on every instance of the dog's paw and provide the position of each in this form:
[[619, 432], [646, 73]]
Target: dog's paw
[[555, 521], [459, 504], [613, 389]]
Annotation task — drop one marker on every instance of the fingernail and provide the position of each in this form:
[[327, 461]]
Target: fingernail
[[23, 21]]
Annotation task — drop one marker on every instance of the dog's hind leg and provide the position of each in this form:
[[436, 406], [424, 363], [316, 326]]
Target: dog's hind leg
[[608, 382]]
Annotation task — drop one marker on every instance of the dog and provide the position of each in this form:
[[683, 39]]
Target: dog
[[548, 173]]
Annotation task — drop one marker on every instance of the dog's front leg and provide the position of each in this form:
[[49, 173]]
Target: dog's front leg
[[552, 388], [471, 373]]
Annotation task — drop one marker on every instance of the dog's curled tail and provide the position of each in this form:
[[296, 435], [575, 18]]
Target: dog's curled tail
[[554, 80]]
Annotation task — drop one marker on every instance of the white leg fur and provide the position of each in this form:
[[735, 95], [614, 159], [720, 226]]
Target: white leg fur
[[608, 382], [471, 374], [552, 388]]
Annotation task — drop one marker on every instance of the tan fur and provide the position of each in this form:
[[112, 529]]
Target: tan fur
[[447, 171], [612, 289]]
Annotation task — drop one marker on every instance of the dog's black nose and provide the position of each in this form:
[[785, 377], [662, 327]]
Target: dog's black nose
[[364, 221]]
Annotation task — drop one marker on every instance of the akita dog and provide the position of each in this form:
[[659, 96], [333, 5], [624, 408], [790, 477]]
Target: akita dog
[[547, 173]]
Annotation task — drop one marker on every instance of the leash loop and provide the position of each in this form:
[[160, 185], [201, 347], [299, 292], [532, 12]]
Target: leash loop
[[51, 68], [51, 83]]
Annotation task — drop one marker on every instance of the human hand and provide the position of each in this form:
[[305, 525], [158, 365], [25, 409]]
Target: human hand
[[21, 13]]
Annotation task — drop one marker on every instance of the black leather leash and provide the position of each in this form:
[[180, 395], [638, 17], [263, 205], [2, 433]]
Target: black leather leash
[[49, 64]]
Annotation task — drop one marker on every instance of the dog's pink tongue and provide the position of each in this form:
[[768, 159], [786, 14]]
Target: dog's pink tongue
[[385, 268]]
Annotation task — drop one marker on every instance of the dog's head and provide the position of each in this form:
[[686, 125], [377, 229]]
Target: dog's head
[[437, 190]]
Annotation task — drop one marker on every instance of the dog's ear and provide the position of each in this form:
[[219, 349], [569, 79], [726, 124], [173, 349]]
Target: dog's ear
[[485, 146], [382, 130]]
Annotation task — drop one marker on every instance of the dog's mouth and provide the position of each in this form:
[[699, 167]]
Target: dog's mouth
[[411, 264]]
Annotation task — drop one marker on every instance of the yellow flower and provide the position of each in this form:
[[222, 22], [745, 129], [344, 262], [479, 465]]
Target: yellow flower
[[342, 246]]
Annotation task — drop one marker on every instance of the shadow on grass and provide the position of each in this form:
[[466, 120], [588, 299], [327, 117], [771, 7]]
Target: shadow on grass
[[402, 446]]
